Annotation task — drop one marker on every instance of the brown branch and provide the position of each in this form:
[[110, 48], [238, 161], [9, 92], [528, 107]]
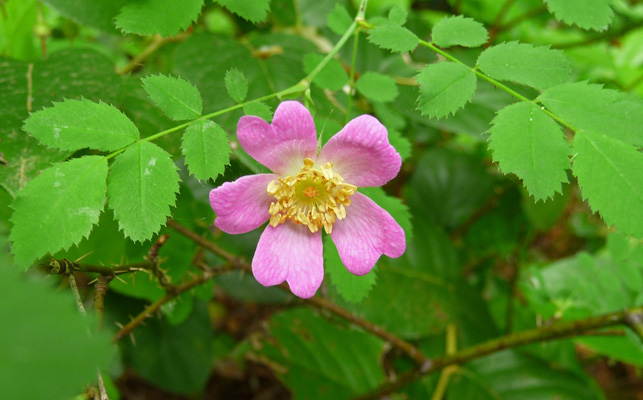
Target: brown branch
[[316, 301], [550, 332], [179, 289]]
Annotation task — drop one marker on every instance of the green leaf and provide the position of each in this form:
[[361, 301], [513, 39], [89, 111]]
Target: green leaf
[[393, 37], [526, 142], [339, 20], [142, 187], [400, 143], [397, 16], [331, 77], [76, 124], [78, 72], [206, 149], [58, 208], [538, 67], [447, 187], [377, 87], [338, 362], [445, 87], [253, 11], [178, 98], [592, 108], [351, 287], [609, 174], [510, 375], [587, 14], [459, 31], [95, 13], [163, 17], [51, 346], [237, 85], [161, 347], [400, 316], [258, 109]]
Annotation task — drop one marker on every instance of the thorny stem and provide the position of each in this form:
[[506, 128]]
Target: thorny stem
[[152, 257], [100, 290], [81, 308], [546, 333], [316, 301], [205, 276], [63, 267]]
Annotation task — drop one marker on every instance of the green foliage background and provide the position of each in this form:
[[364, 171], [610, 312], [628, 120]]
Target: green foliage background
[[520, 124]]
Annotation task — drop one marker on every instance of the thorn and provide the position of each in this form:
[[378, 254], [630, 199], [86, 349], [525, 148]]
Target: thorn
[[120, 279], [121, 326], [92, 281], [81, 257]]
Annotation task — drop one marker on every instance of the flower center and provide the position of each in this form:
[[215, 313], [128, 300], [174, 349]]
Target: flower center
[[313, 197]]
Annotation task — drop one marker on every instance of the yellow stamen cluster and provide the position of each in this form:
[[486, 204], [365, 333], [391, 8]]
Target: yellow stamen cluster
[[313, 197]]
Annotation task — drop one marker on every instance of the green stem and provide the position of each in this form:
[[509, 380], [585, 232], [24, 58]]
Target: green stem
[[351, 79]]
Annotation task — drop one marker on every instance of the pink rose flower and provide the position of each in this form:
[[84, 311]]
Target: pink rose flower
[[308, 191]]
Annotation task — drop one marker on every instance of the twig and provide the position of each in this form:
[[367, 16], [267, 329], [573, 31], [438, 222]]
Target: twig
[[156, 44], [184, 287], [74, 289], [100, 290], [316, 301], [546, 333], [152, 257], [64, 267]]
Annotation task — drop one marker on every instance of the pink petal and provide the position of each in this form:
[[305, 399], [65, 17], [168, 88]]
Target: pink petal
[[367, 232], [283, 145], [242, 205], [290, 252], [361, 153]]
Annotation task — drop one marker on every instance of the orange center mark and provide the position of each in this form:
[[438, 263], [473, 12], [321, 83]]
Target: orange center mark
[[311, 192]]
